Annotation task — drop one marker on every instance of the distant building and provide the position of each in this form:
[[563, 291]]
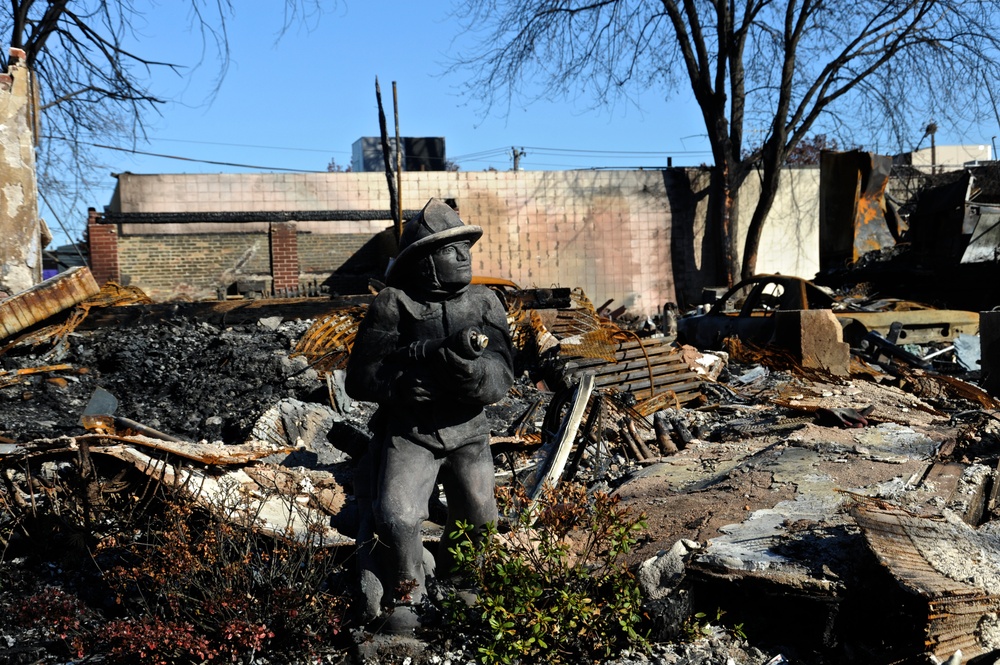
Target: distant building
[[419, 154], [945, 157], [62, 258]]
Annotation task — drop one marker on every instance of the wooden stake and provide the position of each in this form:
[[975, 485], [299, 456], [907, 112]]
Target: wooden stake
[[399, 158], [397, 220]]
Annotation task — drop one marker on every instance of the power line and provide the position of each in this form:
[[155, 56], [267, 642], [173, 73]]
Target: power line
[[481, 156], [186, 159], [235, 145], [622, 153], [481, 153], [250, 145]]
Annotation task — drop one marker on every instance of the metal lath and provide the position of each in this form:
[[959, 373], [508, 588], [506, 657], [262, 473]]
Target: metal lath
[[651, 368], [328, 342]]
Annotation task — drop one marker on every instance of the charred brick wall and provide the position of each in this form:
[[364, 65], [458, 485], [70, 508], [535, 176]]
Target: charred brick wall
[[191, 266], [636, 237], [319, 254]]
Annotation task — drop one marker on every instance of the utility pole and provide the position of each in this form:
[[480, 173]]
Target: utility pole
[[931, 131], [399, 160], [518, 154]]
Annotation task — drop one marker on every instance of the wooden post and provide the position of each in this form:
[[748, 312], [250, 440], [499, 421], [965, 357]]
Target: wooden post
[[397, 220], [399, 158]]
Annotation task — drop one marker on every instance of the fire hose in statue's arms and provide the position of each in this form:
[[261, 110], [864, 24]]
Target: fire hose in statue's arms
[[471, 365], [449, 367], [467, 344]]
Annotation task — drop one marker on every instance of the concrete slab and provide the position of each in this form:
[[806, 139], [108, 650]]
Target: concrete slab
[[816, 337]]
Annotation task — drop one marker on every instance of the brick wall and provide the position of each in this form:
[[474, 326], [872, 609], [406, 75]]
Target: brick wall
[[104, 255], [635, 237], [320, 254], [191, 266], [284, 256]]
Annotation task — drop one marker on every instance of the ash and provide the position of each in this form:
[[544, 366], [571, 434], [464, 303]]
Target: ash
[[191, 380]]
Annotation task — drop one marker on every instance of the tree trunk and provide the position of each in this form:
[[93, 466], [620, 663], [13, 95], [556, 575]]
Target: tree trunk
[[723, 218], [768, 192]]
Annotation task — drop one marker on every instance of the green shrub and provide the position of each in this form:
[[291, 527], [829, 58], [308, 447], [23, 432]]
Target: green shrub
[[555, 585]]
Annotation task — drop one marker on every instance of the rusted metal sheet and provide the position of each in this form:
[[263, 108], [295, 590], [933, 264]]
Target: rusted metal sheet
[[945, 562], [871, 232], [852, 206], [41, 301], [582, 332], [646, 367]]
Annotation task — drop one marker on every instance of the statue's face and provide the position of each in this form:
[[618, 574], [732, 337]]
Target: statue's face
[[453, 264]]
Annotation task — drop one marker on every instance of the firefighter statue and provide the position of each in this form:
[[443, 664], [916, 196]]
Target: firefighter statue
[[432, 351]]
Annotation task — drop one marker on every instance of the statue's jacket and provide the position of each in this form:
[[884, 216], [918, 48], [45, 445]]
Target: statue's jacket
[[382, 367]]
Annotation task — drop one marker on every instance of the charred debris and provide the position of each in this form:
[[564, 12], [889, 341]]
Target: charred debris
[[821, 465]]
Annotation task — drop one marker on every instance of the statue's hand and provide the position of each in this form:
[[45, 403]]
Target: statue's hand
[[415, 386]]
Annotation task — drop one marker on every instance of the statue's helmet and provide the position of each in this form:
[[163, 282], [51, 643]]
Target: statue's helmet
[[433, 227]]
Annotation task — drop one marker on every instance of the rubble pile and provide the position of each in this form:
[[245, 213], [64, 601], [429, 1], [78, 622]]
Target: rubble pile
[[775, 494]]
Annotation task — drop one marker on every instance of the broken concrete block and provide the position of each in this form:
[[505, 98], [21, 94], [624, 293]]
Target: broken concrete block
[[705, 364], [303, 426], [658, 576], [270, 322], [989, 340], [816, 337], [668, 603]]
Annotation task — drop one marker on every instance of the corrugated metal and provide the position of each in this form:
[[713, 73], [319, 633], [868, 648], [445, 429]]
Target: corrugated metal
[[908, 545], [651, 368], [43, 300], [638, 365]]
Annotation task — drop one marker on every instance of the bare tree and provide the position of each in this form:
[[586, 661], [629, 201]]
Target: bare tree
[[92, 80], [808, 150], [868, 72]]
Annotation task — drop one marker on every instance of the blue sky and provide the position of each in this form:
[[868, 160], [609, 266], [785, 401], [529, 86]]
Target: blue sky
[[297, 101]]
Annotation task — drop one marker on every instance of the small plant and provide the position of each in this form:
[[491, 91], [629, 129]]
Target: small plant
[[156, 642], [554, 586], [699, 626]]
